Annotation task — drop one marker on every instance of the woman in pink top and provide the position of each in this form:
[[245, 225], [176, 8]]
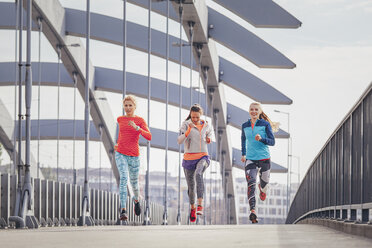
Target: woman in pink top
[[127, 153]]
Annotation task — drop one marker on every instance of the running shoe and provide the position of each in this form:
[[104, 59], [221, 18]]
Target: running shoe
[[199, 210], [193, 215], [253, 217], [262, 194], [137, 208], [123, 215]]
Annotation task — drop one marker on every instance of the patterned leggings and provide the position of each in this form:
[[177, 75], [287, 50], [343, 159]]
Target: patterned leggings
[[124, 162], [196, 175], [251, 169]]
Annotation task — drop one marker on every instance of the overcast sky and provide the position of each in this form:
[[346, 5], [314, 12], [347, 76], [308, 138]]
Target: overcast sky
[[332, 50]]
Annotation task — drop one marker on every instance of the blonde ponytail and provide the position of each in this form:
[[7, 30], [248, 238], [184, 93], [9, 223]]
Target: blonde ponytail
[[274, 125]]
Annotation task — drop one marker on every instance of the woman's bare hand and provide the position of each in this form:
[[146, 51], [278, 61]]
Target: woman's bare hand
[[191, 125], [132, 124], [243, 159]]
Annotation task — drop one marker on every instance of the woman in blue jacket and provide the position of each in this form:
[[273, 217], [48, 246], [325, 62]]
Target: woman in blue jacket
[[257, 135]]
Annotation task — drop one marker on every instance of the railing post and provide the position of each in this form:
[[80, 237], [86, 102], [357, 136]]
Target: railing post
[[57, 198], [51, 203], [44, 203], [79, 200], [350, 166], [74, 204], [5, 196], [96, 206], [109, 208], [92, 209], [63, 204], [365, 212], [37, 198], [68, 205]]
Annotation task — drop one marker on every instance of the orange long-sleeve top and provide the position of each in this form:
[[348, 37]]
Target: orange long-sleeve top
[[129, 137]]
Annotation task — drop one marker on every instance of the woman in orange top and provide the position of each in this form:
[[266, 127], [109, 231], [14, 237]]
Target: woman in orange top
[[195, 133], [127, 153]]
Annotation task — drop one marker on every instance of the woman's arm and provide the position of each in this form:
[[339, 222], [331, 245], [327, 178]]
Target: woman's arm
[[144, 130], [270, 140], [183, 133], [243, 140], [208, 135]]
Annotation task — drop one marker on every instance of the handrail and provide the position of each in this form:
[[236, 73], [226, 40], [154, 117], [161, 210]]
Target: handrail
[[337, 184]]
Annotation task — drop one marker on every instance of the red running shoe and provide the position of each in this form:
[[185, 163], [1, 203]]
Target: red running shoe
[[262, 194], [199, 210], [193, 215]]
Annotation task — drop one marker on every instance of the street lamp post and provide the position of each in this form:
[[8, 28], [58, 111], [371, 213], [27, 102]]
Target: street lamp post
[[288, 159], [298, 168]]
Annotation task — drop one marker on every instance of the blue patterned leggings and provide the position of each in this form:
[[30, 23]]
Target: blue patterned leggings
[[252, 167], [125, 163]]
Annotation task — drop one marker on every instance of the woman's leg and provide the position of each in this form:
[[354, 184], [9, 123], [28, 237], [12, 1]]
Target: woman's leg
[[200, 168], [264, 174], [122, 164], [250, 175], [134, 166], [190, 179]]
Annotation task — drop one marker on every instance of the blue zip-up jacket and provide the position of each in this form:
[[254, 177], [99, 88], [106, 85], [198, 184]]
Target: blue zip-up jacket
[[253, 149]]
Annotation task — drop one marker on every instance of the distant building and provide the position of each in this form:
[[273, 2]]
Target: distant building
[[271, 211]]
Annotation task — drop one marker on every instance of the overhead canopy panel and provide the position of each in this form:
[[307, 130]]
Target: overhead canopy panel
[[137, 35], [157, 6], [249, 85], [48, 130], [245, 43], [261, 13]]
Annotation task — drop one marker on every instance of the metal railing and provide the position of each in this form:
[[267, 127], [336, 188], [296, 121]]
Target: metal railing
[[338, 182], [60, 204]]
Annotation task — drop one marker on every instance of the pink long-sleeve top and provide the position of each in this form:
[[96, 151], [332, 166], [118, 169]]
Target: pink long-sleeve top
[[129, 137]]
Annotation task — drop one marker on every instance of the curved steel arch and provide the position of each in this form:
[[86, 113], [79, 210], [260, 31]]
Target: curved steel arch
[[6, 134]]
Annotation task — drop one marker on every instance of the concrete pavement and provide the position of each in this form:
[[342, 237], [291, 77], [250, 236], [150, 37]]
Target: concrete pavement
[[287, 236]]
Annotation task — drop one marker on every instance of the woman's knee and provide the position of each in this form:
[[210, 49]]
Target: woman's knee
[[134, 183], [250, 175], [265, 176], [199, 177]]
